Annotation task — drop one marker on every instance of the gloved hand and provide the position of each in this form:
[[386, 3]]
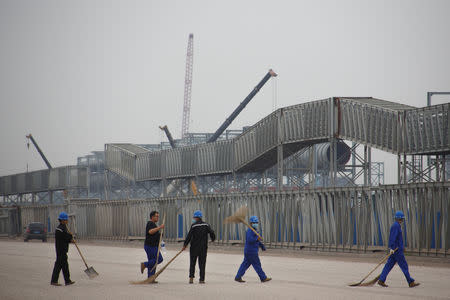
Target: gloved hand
[[391, 251], [263, 248]]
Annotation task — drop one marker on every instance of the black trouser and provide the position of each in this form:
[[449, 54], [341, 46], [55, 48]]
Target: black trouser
[[201, 254], [61, 263]]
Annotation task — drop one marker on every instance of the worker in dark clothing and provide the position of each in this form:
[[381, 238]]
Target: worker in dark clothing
[[397, 256], [62, 240], [198, 237], [152, 236], [251, 258]]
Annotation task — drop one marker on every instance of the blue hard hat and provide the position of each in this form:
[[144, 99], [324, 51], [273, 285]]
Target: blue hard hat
[[399, 215], [198, 214], [63, 216], [254, 219]]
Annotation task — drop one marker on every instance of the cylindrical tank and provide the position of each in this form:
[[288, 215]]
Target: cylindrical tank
[[302, 161]]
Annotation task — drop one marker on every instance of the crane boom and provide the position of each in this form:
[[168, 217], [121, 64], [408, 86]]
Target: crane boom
[[241, 106], [39, 150], [169, 135]]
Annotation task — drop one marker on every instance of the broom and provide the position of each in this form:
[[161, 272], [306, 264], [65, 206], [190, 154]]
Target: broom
[[372, 282], [152, 278], [157, 258], [239, 217]]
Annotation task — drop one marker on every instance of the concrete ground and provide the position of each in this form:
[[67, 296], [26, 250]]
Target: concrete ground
[[25, 271]]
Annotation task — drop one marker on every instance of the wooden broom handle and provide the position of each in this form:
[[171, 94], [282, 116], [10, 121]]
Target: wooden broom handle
[[381, 262], [249, 226], [170, 261], [73, 239]]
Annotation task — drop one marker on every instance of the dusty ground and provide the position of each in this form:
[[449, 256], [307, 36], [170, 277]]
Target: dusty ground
[[25, 270]]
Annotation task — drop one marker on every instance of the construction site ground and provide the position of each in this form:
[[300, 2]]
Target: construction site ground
[[25, 271]]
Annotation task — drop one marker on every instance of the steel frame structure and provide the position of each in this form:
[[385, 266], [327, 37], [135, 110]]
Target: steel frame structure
[[392, 127], [49, 185]]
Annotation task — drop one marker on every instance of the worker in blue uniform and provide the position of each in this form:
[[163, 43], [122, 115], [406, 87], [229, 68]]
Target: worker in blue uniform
[[396, 249], [251, 258]]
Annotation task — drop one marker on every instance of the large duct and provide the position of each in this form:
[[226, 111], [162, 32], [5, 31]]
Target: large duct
[[322, 151]]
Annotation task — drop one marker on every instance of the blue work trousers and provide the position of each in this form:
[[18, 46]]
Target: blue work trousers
[[251, 260], [399, 258], [151, 256]]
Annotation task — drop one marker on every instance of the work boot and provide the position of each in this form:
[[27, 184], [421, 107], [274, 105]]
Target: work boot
[[201, 281], [143, 268], [239, 279], [191, 280], [70, 282], [381, 283], [55, 283], [266, 279], [413, 284]]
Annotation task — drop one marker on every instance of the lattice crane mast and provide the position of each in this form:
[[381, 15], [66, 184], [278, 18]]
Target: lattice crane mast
[[188, 87]]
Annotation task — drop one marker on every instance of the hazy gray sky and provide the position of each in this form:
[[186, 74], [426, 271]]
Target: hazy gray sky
[[81, 74]]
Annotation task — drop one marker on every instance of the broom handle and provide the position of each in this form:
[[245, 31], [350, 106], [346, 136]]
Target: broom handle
[[159, 244], [248, 225], [382, 261], [77, 248], [170, 261]]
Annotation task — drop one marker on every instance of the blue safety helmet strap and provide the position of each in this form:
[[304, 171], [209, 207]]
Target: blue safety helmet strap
[[399, 215], [198, 214], [254, 219], [63, 216]]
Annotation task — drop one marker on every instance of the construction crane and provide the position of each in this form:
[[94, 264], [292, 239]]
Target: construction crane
[[169, 135], [241, 106], [188, 87], [30, 137]]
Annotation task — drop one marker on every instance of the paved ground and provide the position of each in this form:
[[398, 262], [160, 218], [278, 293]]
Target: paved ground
[[25, 270]]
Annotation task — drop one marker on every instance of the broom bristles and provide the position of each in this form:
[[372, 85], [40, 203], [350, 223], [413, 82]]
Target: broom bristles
[[371, 282], [148, 280], [238, 216]]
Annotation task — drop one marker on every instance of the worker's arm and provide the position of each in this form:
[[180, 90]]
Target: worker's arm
[[261, 245], [212, 234], [188, 239], [393, 237], [62, 234], [156, 229]]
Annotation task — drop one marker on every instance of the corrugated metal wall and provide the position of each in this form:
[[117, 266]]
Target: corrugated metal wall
[[335, 219]]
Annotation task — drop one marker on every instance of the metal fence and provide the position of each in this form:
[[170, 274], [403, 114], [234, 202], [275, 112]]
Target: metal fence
[[332, 219], [9, 222]]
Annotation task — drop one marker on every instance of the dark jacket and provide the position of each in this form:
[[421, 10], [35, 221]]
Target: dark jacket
[[62, 239], [251, 243], [152, 239], [396, 237], [198, 236]]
